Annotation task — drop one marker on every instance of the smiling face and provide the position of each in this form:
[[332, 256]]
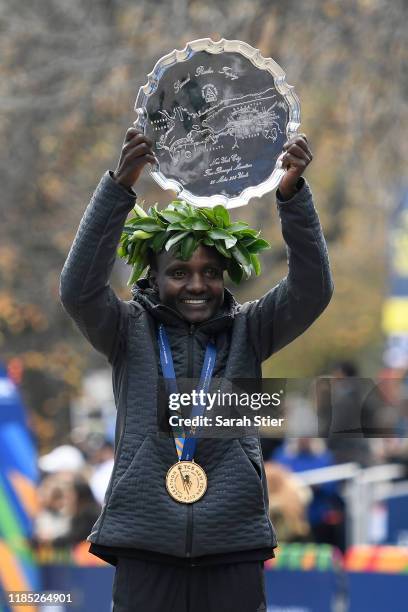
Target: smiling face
[[194, 288]]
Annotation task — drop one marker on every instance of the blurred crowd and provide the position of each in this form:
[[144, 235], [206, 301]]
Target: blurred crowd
[[72, 486], [361, 422], [357, 422]]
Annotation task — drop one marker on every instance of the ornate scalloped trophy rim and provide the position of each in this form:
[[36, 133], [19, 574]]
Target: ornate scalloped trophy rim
[[254, 55]]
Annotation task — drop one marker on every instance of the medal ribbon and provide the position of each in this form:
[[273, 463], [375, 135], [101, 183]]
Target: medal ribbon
[[186, 446]]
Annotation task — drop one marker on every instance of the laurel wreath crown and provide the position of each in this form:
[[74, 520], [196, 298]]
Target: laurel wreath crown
[[183, 228]]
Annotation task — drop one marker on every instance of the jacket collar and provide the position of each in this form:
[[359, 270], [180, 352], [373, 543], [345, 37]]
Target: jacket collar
[[149, 299]]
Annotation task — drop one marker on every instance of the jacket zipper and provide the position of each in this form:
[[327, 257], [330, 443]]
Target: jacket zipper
[[160, 307], [190, 373]]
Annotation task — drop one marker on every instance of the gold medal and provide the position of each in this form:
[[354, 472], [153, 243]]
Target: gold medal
[[186, 482]]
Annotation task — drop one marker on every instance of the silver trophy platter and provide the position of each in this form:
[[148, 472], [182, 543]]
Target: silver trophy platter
[[218, 114]]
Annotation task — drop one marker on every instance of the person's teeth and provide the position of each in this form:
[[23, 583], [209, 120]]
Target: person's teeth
[[194, 301]]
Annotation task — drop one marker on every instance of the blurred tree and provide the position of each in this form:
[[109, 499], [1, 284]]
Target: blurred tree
[[70, 73]]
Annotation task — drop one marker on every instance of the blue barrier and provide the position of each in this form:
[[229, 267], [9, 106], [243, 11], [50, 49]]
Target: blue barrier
[[378, 592], [299, 591], [91, 587], [287, 590]]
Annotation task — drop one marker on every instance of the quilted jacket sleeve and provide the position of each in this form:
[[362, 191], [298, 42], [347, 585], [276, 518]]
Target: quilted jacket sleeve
[[288, 309], [84, 287]]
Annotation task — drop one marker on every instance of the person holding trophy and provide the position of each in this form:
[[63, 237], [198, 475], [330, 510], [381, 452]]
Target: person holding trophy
[[185, 520]]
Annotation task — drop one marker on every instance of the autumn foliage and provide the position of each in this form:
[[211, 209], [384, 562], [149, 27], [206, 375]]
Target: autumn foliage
[[70, 73]]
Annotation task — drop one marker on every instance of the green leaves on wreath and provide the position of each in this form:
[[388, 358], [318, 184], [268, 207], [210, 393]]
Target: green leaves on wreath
[[182, 227], [174, 240], [188, 247]]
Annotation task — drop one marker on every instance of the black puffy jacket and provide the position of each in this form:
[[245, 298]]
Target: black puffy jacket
[[138, 513]]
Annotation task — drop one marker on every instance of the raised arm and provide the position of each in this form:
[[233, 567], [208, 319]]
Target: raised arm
[[288, 309], [84, 288]]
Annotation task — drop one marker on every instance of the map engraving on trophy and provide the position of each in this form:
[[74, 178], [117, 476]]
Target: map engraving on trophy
[[248, 116]]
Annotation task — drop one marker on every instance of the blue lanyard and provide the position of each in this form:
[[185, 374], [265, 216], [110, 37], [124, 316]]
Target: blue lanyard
[[166, 359]]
